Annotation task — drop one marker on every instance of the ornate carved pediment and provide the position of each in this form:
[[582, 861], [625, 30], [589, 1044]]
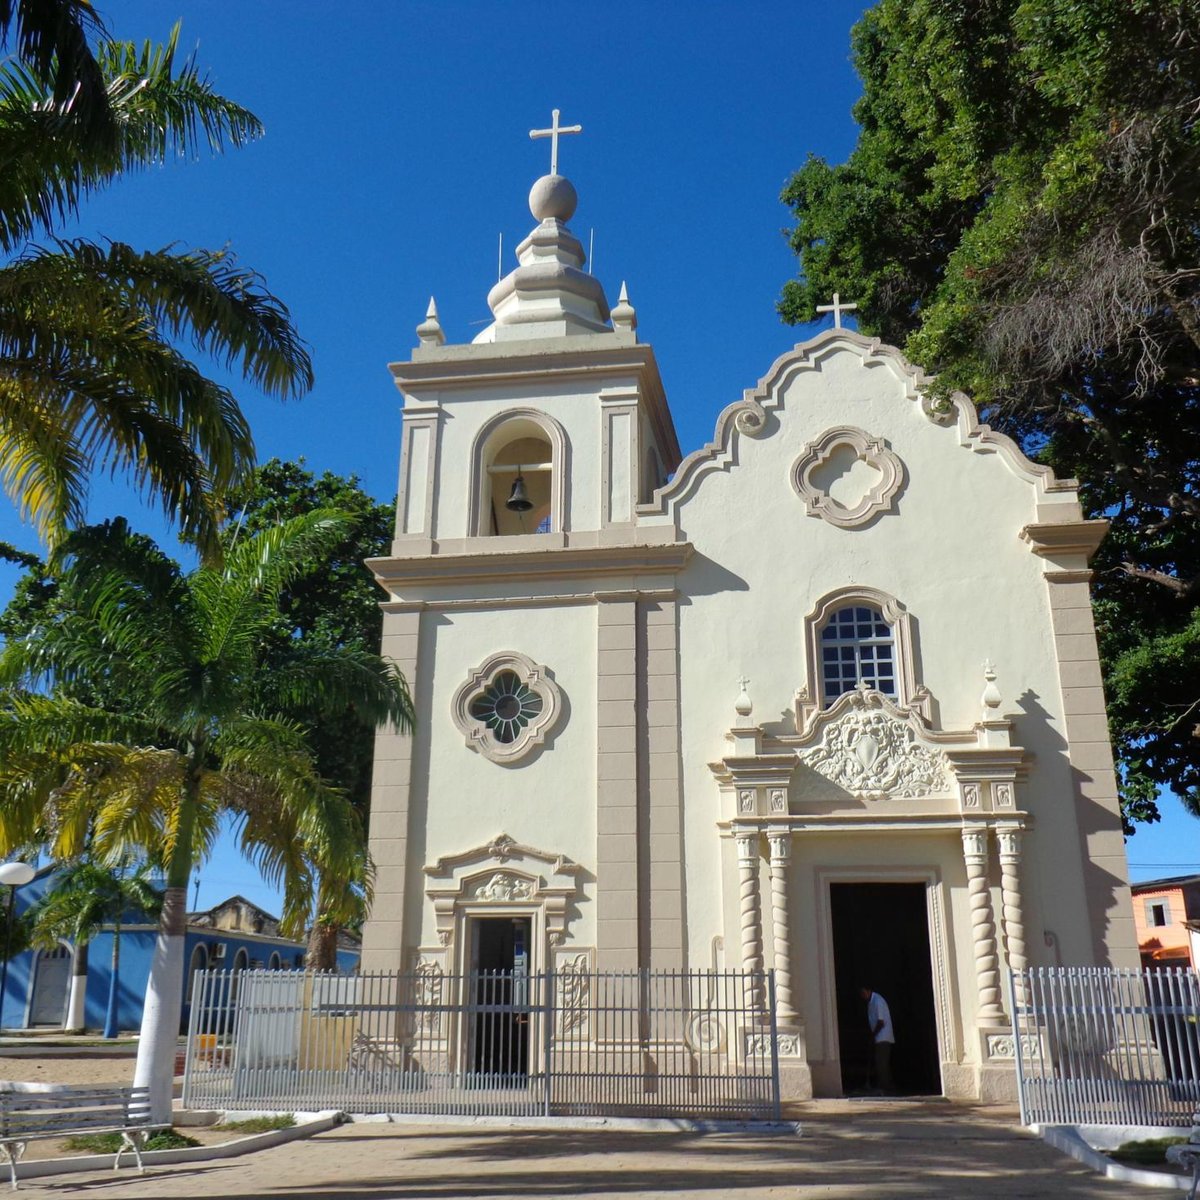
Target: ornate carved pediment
[[503, 871], [871, 748]]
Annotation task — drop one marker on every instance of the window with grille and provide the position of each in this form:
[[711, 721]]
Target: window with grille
[[857, 644]]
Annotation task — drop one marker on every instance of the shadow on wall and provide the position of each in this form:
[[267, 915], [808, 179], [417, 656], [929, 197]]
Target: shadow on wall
[[1105, 885]]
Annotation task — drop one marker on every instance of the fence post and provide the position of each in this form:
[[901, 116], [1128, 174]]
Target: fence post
[[188, 1049], [548, 1038], [776, 1100], [1017, 1048]]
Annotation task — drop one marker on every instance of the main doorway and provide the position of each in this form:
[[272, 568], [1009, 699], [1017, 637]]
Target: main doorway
[[881, 939], [499, 979]]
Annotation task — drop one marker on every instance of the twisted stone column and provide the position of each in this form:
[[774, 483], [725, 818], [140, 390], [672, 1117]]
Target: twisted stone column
[[750, 908], [983, 927], [1013, 920], [780, 841]]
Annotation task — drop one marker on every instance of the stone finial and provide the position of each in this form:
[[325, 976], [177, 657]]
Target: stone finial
[[624, 316], [430, 330], [991, 693], [743, 705], [553, 198]]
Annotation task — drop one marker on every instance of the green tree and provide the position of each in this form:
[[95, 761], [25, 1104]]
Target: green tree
[[1022, 214], [83, 898], [333, 604], [185, 724], [91, 374]]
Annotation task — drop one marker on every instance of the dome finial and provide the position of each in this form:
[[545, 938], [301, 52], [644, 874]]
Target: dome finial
[[990, 700], [553, 197], [624, 316], [430, 330], [742, 705]]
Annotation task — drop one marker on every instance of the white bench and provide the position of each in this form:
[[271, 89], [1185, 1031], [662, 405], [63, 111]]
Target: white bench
[[29, 1111]]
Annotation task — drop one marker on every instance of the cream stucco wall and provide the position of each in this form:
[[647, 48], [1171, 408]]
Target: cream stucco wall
[[646, 625], [950, 553]]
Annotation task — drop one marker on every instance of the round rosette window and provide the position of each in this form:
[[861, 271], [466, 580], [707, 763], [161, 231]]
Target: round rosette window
[[507, 707]]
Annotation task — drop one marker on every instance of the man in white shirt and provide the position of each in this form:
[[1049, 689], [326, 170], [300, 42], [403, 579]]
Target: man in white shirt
[[879, 1020]]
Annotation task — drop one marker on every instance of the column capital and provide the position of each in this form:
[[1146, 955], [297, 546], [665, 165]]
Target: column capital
[[779, 838], [975, 842], [1009, 840], [747, 838]]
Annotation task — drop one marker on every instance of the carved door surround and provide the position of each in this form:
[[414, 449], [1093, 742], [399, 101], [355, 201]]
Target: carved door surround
[[941, 950], [503, 877]]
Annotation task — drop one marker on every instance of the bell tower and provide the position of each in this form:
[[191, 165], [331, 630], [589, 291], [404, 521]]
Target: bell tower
[[551, 425]]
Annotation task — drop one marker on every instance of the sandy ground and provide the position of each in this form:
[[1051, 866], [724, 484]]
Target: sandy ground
[[77, 1067], [897, 1151], [902, 1150]]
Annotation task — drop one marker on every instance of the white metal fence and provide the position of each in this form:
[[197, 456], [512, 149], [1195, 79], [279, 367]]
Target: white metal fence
[[1101, 1046], [567, 1042]]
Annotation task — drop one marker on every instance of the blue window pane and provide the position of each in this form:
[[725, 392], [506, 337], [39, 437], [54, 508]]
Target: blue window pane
[[857, 644]]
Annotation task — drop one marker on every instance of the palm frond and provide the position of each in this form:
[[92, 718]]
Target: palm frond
[[332, 679], [50, 157], [52, 37], [242, 599]]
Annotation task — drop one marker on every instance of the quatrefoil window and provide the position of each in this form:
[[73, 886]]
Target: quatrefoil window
[[507, 707], [847, 477]]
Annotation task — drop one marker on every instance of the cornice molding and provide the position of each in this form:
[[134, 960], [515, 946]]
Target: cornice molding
[[528, 565], [1064, 539], [447, 368]]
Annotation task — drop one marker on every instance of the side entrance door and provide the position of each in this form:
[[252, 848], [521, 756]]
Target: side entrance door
[[50, 983], [499, 1052]]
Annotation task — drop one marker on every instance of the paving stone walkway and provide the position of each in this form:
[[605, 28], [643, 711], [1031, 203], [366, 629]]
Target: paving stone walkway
[[869, 1150]]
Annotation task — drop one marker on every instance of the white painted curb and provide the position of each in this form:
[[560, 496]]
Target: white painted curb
[[307, 1124], [1067, 1139], [583, 1124]]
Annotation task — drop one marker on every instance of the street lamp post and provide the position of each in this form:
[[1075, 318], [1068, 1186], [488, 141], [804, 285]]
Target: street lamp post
[[15, 875]]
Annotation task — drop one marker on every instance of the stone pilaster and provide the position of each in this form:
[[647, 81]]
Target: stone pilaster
[[1012, 916], [391, 786], [663, 868], [750, 915], [983, 927], [780, 842], [617, 785]]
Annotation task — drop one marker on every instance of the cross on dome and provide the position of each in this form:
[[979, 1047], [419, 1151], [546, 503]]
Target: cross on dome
[[553, 134], [837, 308]]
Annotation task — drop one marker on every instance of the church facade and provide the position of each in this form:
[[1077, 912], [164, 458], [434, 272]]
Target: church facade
[[821, 697]]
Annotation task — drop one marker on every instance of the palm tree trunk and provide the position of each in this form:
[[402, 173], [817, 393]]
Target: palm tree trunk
[[77, 1004], [111, 1027], [322, 947], [159, 1035]]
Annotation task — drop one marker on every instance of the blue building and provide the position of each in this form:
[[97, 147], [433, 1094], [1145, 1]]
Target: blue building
[[236, 935]]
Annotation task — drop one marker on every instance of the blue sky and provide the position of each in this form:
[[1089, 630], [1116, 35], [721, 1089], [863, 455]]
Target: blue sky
[[397, 151]]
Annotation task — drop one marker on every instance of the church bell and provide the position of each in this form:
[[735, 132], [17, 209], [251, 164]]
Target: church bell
[[518, 499]]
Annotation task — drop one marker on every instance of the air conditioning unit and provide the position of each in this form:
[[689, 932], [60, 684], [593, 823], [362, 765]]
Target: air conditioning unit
[[218, 951]]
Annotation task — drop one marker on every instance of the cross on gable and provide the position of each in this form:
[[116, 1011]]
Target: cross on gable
[[837, 308], [553, 134]]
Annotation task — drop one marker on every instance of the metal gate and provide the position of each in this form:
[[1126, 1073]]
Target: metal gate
[[1106, 1046], [571, 1042]]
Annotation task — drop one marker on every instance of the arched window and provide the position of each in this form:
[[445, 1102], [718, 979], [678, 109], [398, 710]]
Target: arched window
[[275, 961], [241, 960], [519, 474], [857, 645]]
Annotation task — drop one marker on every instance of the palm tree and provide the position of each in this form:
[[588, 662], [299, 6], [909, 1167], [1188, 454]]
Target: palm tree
[[181, 725], [91, 377], [85, 897]]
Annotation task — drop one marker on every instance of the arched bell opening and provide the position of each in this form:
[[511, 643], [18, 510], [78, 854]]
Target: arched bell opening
[[520, 477]]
